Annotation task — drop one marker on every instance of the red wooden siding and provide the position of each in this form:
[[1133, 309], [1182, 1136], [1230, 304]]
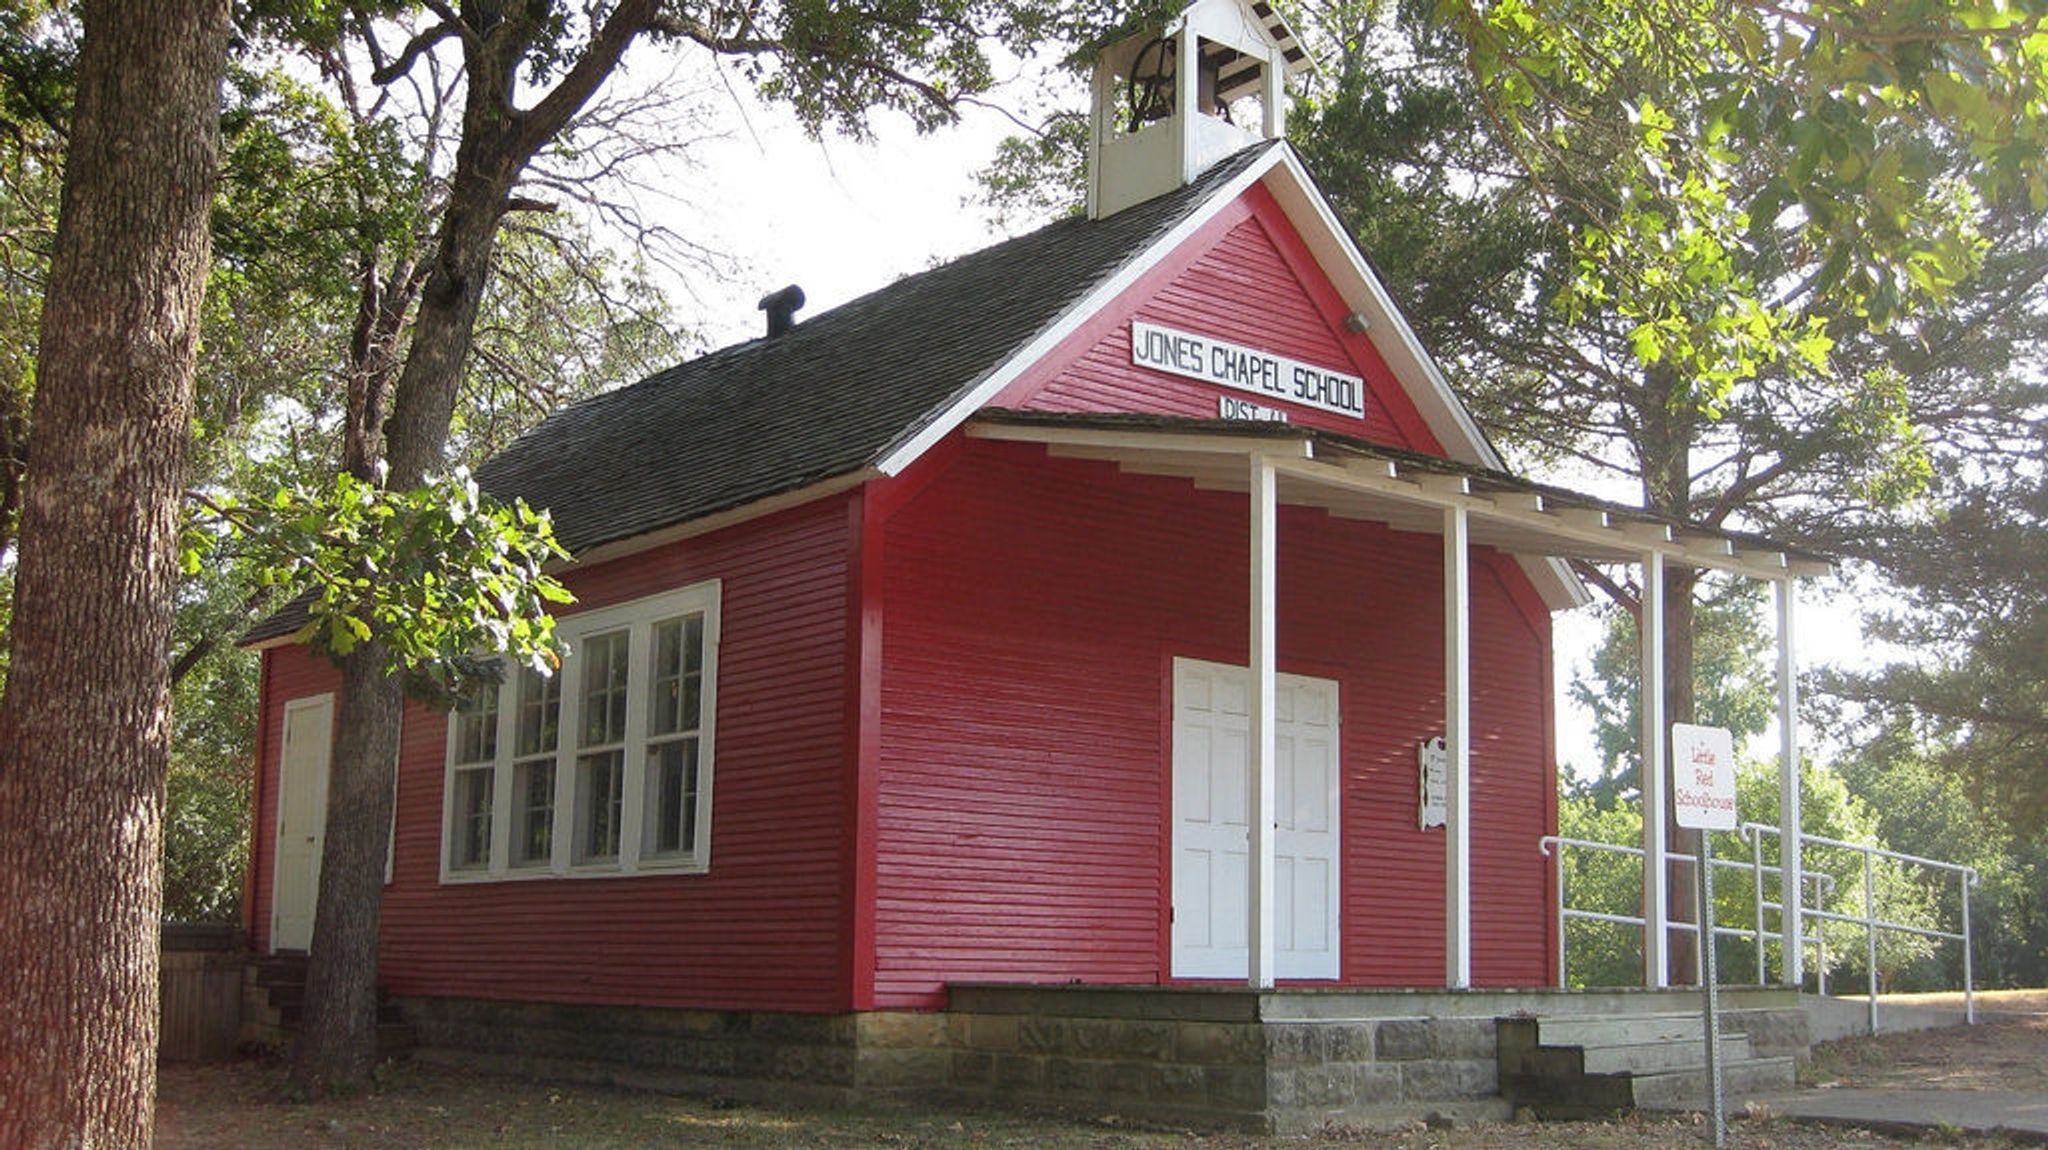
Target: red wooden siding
[[1034, 608], [766, 928], [1247, 279]]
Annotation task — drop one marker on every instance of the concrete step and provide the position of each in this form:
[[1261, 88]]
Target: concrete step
[[1621, 1030], [1653, 1057], [1688, 1089], [1577, 1067]]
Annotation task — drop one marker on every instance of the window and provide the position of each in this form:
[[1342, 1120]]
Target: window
[[601, 760], [474, 774], [603, 768], [533, 769]]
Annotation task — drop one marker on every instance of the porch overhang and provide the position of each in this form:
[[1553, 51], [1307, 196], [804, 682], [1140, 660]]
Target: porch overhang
[[1538, 524]]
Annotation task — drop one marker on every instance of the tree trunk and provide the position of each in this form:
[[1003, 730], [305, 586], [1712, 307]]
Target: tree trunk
[[337, 1043], [85, 723], [1669, 422], [335, 1049], [1682, 881]]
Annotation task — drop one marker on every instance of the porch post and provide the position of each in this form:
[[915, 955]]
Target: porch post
[[1259, 960], [1457, 751], [1793, 966], [1656, 903]]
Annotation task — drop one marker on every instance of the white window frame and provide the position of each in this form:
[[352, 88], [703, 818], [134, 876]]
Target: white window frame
[[638, 619]]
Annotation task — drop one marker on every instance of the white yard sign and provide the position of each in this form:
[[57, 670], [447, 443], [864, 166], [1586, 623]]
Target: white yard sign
[[1703, 777], [1703, 799]]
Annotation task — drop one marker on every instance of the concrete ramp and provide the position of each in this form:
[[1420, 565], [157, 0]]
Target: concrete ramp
[[1829, 1018]]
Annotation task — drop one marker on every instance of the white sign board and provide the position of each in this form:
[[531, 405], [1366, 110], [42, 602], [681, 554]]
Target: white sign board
[[1703, 777], [1434, 776], [1231, 407], [1246, 369]]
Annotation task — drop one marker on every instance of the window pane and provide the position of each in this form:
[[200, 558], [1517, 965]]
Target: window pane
[[671, 799], [476, 725], [604, 689], [540, 708], [533, 813], [600, 779], [673, 697], [471, 849]]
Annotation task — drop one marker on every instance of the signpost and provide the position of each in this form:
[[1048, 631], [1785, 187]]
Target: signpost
[[1703, 799]]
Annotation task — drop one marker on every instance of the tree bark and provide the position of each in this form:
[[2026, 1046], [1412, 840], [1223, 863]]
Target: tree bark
[[337, 1042], [1669, 422], [85, 723]]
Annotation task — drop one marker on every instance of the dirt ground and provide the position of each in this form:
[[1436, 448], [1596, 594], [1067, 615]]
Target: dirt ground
[[242, 1105], [2007, 1050]]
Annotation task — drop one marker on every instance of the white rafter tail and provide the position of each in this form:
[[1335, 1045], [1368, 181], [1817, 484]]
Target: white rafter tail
[[1648, 534], [1701, 545], [1583, 518], [1437, 483]]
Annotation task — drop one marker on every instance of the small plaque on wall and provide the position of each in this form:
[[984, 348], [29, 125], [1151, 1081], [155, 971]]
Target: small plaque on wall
[[1434, 765]]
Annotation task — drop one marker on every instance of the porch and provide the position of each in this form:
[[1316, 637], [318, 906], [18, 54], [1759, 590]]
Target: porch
[[1193, 1056]]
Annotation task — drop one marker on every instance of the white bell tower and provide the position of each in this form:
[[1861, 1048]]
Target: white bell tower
[[1168, 103]]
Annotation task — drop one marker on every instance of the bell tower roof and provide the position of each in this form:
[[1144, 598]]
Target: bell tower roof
[[1168, 102]]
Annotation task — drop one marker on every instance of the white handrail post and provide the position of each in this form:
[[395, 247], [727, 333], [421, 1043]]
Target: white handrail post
[[1559, 864], [1260, 968], [1870, 929], [1969, 980], [1656, 906], [1756, 879], [1790, 886]]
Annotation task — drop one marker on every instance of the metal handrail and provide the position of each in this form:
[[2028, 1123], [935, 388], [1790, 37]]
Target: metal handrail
[[1825, 883], [1823, 887], [1966, 877]]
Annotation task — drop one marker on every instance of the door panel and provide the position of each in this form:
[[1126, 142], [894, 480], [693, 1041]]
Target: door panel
[[1211, 788], [301, 819]]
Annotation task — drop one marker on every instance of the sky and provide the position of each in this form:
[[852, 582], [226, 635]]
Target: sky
[[842, 218]]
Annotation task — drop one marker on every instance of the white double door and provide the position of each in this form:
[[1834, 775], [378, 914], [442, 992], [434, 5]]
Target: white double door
[[1211, 802]]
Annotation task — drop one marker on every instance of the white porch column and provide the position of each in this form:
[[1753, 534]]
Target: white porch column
[[1259, 963], [1789, 852], [1656, 900], [1457, 751]]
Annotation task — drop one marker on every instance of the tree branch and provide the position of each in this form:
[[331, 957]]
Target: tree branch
[[419, 44]]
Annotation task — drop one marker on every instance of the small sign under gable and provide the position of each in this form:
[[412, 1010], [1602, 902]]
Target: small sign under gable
[[1246, 369], [1231, 407], [1703, 777]]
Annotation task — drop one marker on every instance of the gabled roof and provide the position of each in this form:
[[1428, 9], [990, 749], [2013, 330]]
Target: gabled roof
[[864, 389], [835, 394]]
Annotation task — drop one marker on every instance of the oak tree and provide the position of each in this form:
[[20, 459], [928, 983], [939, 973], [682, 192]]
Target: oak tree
[[84, 723]]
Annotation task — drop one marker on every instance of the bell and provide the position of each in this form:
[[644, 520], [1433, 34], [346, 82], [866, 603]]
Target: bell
[[1151, 90]]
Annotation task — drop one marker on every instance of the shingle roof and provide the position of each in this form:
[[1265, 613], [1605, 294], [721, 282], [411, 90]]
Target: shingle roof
[[829, 397], [832, 396]]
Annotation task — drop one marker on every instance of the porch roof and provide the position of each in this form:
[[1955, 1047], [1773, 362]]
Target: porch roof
[[1358, 479]]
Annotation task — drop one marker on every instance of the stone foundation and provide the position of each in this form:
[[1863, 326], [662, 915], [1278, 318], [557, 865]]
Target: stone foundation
[[1191, 1056]]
